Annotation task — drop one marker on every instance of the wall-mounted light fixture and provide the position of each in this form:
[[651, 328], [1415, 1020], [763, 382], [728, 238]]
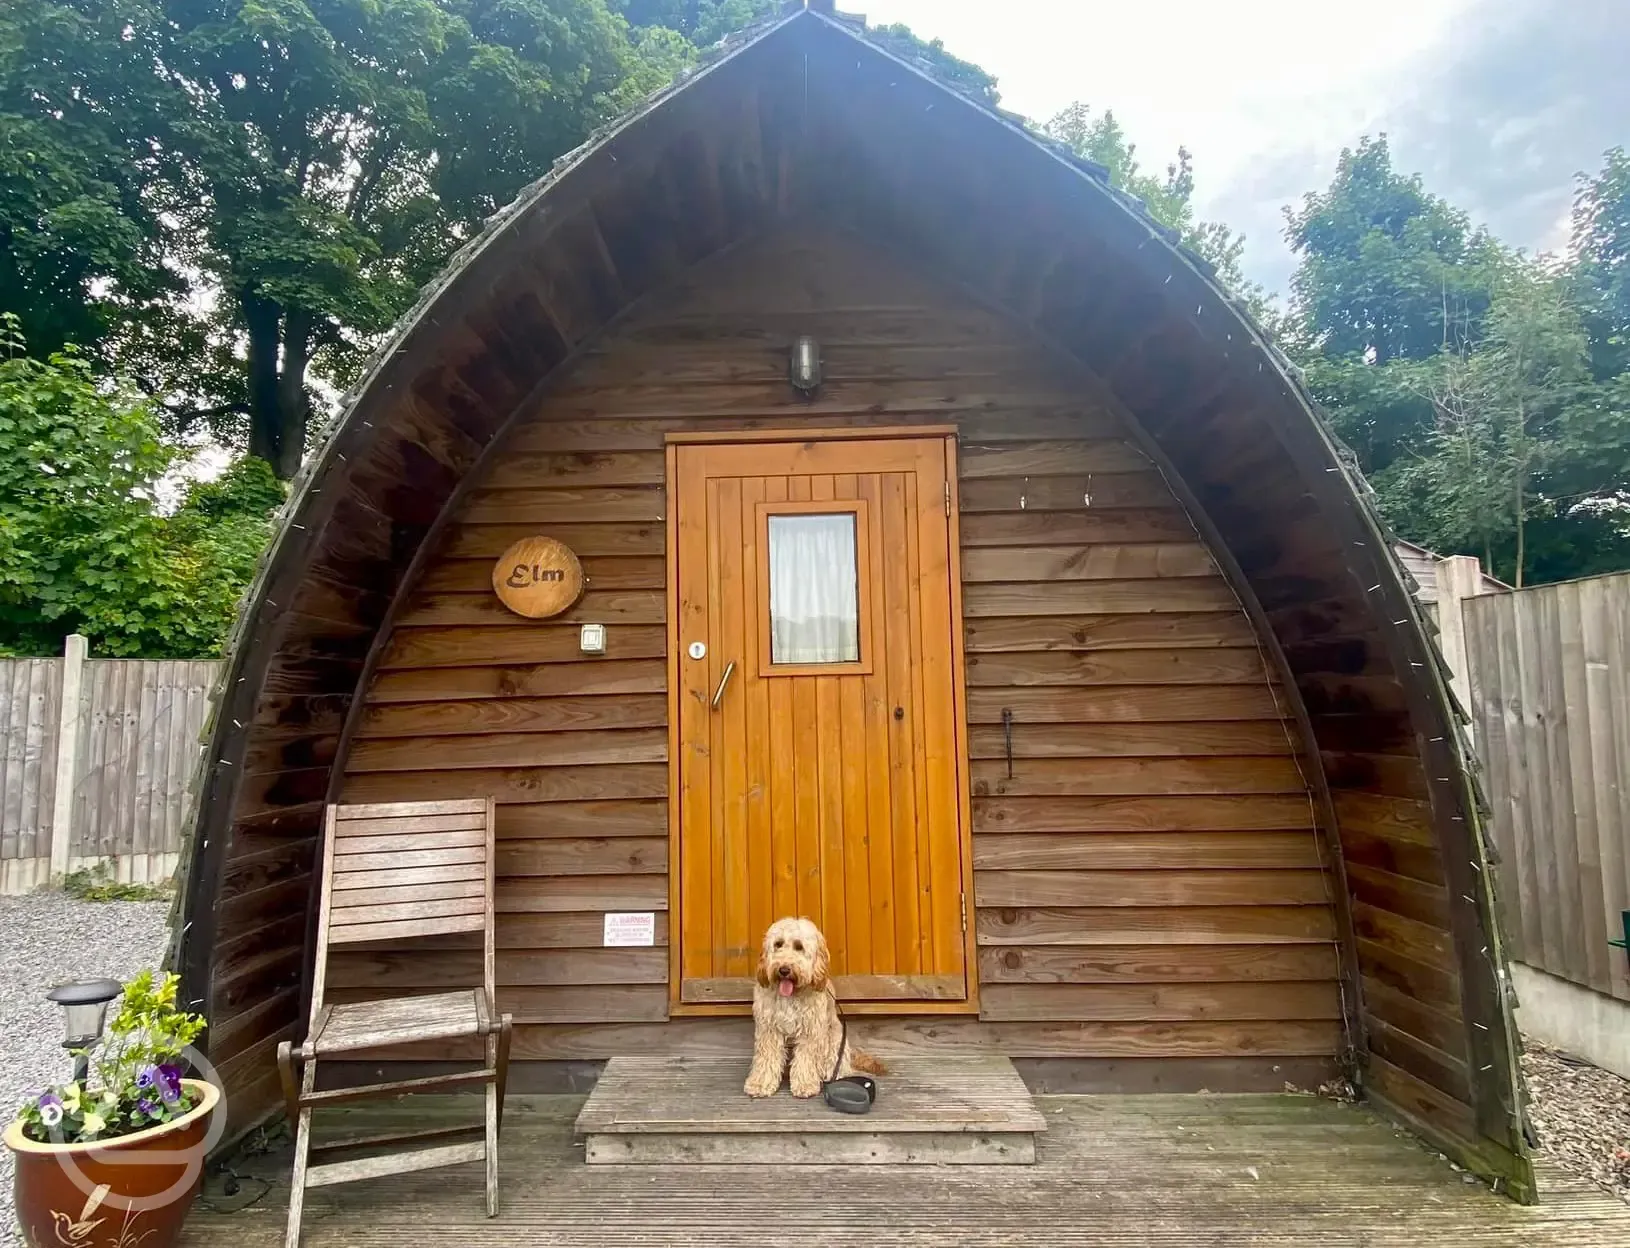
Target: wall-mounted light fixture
[[804, 369]]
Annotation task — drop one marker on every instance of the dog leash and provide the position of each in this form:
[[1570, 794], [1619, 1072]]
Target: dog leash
[[852, 1094]]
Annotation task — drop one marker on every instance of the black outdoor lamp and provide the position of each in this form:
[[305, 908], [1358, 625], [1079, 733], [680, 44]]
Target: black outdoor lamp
[[84, 1010]]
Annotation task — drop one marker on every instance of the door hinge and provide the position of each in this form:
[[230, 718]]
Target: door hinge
[[947, 498], [963, 897]]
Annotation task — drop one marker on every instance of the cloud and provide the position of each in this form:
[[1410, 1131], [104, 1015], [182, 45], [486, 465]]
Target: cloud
[[1521, 101], [1496, 102]]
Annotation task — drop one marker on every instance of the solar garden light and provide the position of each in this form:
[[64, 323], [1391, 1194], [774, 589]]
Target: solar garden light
[[84, 1011]]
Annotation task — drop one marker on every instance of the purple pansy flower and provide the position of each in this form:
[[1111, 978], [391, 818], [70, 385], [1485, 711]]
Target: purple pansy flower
[[169, 1083], [50, 1108], [150, 1108], [147, 1077]]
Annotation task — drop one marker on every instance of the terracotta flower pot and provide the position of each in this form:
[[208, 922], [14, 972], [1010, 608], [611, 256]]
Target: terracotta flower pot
[[130, 1192]]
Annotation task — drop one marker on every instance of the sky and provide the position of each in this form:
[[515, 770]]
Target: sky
[[1496, 103]]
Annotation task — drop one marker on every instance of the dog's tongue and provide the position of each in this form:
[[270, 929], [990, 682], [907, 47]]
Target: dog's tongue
[[786, 987]]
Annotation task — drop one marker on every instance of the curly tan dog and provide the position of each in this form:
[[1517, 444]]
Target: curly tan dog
[[795, 1009]]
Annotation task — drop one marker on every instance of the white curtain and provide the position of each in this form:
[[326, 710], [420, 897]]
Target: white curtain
[[814, 613]]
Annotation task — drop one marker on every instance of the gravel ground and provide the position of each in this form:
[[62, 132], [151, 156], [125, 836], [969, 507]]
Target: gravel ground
[[45, 939], [1582, 1115]]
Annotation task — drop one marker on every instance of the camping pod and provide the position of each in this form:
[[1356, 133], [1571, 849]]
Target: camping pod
[[955, 564]]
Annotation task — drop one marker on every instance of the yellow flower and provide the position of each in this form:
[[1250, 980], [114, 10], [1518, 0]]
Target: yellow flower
[[70, 1096], [94, 1124]]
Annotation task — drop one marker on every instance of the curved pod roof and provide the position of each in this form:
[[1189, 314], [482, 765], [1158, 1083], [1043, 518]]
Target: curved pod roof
[[804, 118]]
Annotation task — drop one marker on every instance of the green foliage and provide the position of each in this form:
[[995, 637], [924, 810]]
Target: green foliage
[[1600, 264], [1483, 392], [84, 546], [1169, 199], [138, 1070], [701, 22], [96, 883], [1387, 270], [303, 166], [958, 74]]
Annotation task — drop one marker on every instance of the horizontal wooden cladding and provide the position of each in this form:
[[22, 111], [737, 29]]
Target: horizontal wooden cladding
[[1032, 459], [1193, 593], [483, 609], [1129, 740], [566, 783], [1152, 887], [528, 679], [721, 1037], [1117, 562], [1181, 666], [624, 855], [1230, 813], [1078, 492], [1121, 851], [555, 433], [573, 504], [1162, 522], [456, 646], [1148, 925], [1142, 631], [1155, 776], [1121, 704], [513, 715], [1155, 964], [1283, 1002], [488, 541], [573, 893], [509, 749], [521, 470]]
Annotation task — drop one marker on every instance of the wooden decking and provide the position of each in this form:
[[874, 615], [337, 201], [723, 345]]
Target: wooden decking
[[1155, 1170], [932, 1111]]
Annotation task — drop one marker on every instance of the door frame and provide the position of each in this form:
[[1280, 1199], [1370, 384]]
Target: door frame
[[959, 707]]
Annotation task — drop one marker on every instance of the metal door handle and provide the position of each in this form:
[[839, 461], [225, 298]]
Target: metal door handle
[[718, 694]]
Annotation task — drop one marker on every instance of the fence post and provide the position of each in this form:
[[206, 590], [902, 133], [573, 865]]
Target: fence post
[[1459, 577], [67, 768]]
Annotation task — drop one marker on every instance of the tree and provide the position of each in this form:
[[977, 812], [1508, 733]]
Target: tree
[[1102, 139], [84, 546], [1467, 378], [703, 22], [1599, 259], [256, 189], [83, 232], [1388, 274]]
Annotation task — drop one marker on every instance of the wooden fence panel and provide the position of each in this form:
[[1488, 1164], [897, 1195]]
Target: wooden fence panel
[[137, 746], [1550, 685], [29, 692]]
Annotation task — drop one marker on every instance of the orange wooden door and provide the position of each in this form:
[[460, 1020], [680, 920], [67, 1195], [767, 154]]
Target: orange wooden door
[[819, 758]]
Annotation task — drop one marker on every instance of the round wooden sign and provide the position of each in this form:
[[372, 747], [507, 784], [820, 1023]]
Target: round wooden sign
[[537, 577]]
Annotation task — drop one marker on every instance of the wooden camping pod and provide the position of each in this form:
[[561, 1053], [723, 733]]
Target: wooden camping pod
[[1232, 737]]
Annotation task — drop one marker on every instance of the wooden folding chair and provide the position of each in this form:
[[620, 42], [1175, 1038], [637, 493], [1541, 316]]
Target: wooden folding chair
[[399, 871]]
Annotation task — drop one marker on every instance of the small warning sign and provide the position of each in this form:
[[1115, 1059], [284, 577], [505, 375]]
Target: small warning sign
[[631, 929]]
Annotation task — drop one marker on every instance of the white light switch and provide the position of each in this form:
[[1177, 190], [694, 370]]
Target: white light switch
[[592, 640]]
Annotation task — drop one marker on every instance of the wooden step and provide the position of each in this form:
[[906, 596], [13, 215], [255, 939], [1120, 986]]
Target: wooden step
[[929, 1111]]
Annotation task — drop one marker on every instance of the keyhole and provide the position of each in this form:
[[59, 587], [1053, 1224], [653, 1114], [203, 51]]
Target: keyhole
[[899, 712]]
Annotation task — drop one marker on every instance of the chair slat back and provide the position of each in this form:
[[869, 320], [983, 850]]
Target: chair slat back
[[399, 870]]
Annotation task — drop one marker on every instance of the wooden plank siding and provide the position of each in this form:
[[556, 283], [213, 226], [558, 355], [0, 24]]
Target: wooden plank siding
[[1549, 699], [1148, 880]]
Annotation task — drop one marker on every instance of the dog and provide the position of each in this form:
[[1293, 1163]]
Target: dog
[[795, 1012]]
